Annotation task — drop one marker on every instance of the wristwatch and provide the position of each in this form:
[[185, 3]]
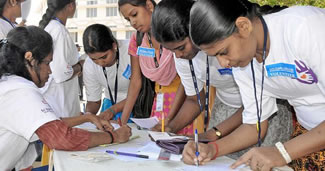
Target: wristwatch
[[218, 133]]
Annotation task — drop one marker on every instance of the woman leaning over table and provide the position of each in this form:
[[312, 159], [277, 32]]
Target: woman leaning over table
[[25, 114], [278, 55], [160, 69], [171, 29], [108, 68]]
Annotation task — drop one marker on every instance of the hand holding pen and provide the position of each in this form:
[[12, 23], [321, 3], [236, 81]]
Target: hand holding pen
[[197, 153]]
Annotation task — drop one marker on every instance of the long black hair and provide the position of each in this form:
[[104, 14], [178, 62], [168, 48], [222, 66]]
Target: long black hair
[[2, 6], [98, 38], [214, 20], [53, 6], [170, 20], [19, 41]]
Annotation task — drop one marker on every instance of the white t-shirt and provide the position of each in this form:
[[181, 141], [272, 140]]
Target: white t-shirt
[[297, 37], [5, 27], [23, 111], [95, 81], [226, 88], [61, 93]]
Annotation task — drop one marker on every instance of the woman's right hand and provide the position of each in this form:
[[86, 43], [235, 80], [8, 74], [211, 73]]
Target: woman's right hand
[[207, 151], [122, 134], [107, 115]]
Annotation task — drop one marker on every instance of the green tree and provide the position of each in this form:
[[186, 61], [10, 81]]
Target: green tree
[[317, 3]]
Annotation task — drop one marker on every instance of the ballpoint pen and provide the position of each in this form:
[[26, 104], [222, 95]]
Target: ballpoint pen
[[127, 154], [119, 121], [197, 153], [163, 122]]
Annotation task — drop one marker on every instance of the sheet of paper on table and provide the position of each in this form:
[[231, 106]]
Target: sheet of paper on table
[[164, 136], [146, 122], [152, 150]]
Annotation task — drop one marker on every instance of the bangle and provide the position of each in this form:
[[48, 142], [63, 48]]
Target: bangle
[[110, 109], [80, 66], [283, 152], [216, 147], [112, 137]]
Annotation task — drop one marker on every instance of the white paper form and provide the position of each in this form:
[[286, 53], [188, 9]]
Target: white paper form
[[146, 123]]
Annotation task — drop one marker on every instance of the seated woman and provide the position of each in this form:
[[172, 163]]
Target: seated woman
[[108, 67], [25, 115]]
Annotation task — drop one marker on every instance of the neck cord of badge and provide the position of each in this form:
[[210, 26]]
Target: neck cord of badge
[[151, 45], [206, 117], [57, 19], [8, 21], [259, 107], [114, 100]]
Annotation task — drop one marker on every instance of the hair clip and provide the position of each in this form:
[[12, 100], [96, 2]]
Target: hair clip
[[4, 41]]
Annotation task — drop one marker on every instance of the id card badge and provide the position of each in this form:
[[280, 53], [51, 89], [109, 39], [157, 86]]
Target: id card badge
[[281, 69], [225, 71], [160, 102], [127, 73], [148, 52]]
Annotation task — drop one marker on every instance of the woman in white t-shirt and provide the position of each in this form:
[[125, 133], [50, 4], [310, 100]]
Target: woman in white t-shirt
[[9, 10], [107, 67], [278, 55], [62, 89], [25, 114], [171, 30]]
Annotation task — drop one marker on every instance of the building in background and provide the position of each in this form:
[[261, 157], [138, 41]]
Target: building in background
[[88, 12]]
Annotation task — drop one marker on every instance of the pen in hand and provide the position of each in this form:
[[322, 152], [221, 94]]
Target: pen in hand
[[197, 153]]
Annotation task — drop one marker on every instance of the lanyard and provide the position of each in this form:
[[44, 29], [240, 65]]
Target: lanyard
[[206, 117], [259, 107], [116, 82], [151, 45], [57, 19], [6, 19]]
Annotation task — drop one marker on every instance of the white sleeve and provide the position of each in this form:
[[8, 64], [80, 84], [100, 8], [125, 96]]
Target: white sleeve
[[183, 70], [90, 76], [245, 84], [30, 111], [309, 44], [61, 69]]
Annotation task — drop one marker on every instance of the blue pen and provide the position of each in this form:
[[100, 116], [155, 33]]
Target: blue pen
[[197, 153], [127, 154]]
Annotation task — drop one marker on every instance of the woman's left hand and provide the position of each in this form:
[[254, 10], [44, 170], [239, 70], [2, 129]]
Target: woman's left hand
[[261, 159], [101, 124]]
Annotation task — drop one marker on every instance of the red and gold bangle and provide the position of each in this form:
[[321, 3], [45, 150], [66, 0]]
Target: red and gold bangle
[[216, 148]]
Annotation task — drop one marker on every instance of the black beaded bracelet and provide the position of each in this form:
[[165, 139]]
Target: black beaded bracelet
[[111, 134]]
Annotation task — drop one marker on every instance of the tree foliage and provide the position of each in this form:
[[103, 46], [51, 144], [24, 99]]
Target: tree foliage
[[317, 3]]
